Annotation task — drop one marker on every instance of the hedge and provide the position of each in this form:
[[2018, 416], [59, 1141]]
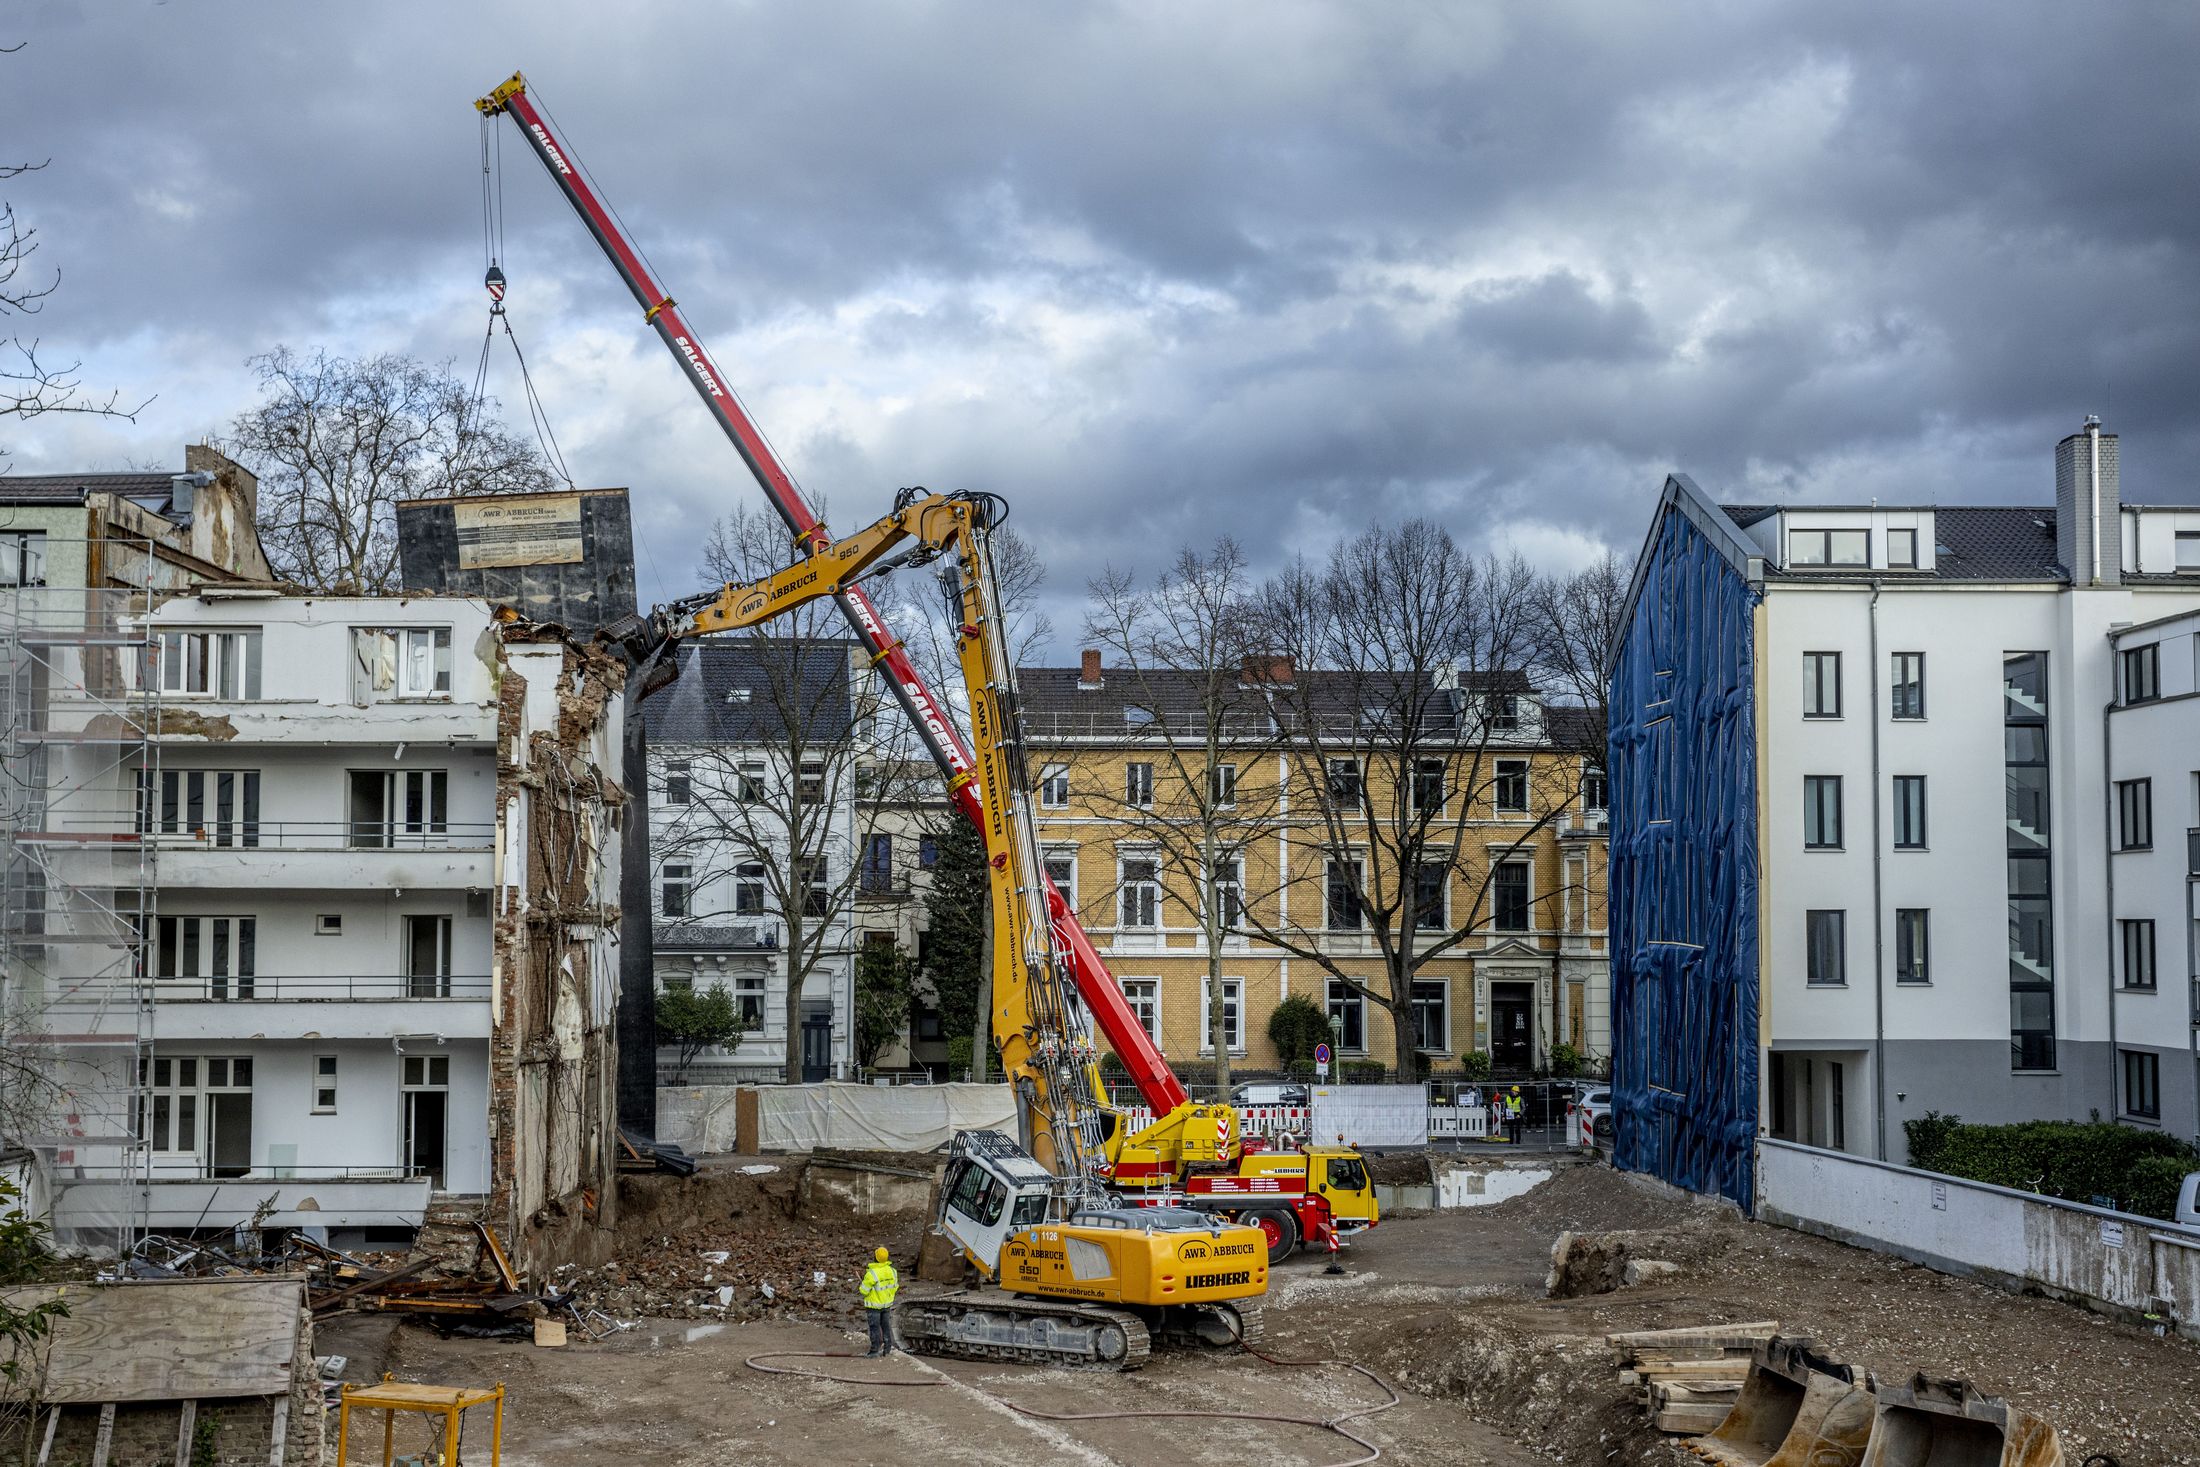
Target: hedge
[[2078, 1161]]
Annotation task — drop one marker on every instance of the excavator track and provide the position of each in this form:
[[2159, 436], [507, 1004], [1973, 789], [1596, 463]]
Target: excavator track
[[1214, 1326], [990, 1325]]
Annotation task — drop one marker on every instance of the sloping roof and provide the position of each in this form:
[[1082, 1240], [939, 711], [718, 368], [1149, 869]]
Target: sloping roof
[[1056, 704], [72, 488], [745, 690], [1571, 726], [2006, 542]]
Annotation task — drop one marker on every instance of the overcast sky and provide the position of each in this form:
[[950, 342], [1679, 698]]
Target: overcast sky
[[1159, 272]]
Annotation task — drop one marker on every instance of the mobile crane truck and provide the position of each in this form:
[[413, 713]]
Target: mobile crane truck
[[1192, 1155]]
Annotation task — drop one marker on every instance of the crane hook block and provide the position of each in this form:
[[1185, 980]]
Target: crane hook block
[[494, 283], [496, 101]]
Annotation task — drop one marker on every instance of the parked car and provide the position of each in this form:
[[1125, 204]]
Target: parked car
[[1271, 1095], [1598, 1104], [2188, 1200]]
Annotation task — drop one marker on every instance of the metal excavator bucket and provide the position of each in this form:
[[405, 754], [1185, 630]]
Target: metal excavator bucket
[[1944, 1423], [1797, 1408]]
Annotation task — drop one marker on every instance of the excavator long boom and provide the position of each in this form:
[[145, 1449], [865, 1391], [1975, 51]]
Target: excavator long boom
[[1043, 1048], [1103, 998]]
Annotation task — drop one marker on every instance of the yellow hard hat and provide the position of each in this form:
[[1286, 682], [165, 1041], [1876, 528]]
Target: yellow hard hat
[[880, 1255], [1516, 1089]]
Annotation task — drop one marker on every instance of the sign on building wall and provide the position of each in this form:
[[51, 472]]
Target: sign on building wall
[[534, 529]]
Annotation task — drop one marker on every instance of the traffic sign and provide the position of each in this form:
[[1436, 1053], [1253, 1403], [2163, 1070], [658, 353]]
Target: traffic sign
[[1321, 1054]]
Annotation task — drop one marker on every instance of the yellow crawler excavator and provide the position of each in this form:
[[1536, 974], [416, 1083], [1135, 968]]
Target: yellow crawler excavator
[[1082, 1277]]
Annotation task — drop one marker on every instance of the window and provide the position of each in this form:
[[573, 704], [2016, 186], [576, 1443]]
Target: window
[[748, 889], [1909, 812], [928, 851], [1821, 812], [1821, 685], [206, 664], [1908, 685], [1432, 1016], [1138, 784], [329, 924], [1062, 871], [206, 957], [1233, 1029], [674, 879], [2138, 946], [1344, 785], [1913, 945], [324, 1084], [1054, 786], [1341, 895], [1228, 887], [2031, 902], [1509, 883], [1222, 786], [2142, 672], [1596, 788], [218, 806], [2188, 549], [1428, 786], [190, 1108], [2142, 1083], [1826, 947], [1431, 886], [1144, 997], [1511, 793], [1348, 1008], [22, 557], [1902, 550], [750, 782], [400, 662], [399, 807], [2134, 814], [426, 1072], [811, 875], [810, 788], [748, 1000], [1832, 548], [679, 785], [1139, 886], [876, 875], [1504, 712]]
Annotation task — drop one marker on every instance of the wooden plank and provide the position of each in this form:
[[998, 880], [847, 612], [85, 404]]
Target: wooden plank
[[53, 1421], [1689, 1420], [184, 1429], [171, 1340], [1654, 1339], [278, 1436], [1734, 1369], [106, 1437], [1702, 1394]]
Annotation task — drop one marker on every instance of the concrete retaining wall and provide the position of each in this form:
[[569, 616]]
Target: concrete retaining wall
[[2116, 1261]]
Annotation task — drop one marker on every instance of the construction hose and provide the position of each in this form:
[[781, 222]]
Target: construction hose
[[1334, 1424]]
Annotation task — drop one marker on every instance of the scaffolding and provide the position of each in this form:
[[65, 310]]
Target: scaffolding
[[78, 890]]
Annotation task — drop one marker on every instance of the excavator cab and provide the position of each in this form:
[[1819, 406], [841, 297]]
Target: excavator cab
[[993, 1190]]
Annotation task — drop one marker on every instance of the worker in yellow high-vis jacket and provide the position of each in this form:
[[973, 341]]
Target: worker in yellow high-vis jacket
[[880, 1284]]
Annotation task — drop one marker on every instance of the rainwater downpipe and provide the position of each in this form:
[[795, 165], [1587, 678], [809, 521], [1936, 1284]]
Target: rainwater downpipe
[[2108, 861], [1879, 913], [2093, 467]]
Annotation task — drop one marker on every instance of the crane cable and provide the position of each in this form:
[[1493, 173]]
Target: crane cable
[[492, 248]]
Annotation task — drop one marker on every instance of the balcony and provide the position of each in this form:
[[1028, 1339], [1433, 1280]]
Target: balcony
[[275, 1197], [328, 853], [698, 937], [277, 1006], [1583, 825]]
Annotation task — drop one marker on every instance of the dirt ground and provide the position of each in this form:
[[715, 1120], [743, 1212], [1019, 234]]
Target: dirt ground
[[1449, 1307]]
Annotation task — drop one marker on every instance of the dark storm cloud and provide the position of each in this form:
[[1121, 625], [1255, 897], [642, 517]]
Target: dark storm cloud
[[1163, 272]]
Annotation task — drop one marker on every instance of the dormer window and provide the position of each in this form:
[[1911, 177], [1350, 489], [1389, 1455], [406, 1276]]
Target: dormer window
[[1834, 548], [1902, 550]]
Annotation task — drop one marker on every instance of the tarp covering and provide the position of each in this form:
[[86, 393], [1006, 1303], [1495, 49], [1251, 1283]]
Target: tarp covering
[[878, 1117], [1371, 1115], [1683, 879]]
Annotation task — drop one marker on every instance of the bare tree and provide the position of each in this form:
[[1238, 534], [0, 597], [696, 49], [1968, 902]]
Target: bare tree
[[756, 761], [337, 442], [32, 386], [1411, 734], [1574, 620], [1184, 652]]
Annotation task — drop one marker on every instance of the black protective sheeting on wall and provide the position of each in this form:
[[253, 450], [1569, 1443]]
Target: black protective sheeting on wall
[[581, 595]]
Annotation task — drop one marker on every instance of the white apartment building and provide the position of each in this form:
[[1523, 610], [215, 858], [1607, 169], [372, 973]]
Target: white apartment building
[[757, 745], [1939, 744], [379, 948]]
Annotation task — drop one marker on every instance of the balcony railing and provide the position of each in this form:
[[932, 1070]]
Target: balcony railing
[[265, 987], [327, 835]]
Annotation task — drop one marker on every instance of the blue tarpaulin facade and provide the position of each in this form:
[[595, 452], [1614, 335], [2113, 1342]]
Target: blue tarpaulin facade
[[1683, 879]]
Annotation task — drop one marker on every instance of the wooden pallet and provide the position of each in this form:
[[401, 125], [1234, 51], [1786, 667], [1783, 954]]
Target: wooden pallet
[[1686, 1379]]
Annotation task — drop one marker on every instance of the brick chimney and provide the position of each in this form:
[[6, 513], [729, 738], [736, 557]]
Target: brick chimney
[[2089, 537], [1277, 669], [1088, 676]]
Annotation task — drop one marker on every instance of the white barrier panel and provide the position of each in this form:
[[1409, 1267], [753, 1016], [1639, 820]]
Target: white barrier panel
[[1457, 1123], [878, 1117], [1371, 1115], [699, 1119], [2115, 1258]]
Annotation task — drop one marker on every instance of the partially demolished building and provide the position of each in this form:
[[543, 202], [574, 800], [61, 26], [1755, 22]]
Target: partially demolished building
[[376, 971]]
